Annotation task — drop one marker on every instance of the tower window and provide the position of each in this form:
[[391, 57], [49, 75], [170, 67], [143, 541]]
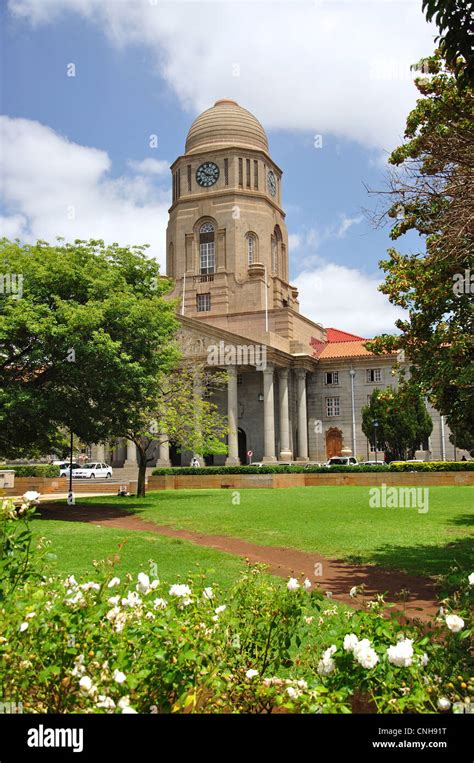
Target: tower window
[[241, 172], [174, 187], [251, 248], [274, 255], [255, 174], [178, 185], [226, 172], [206, 249], [189, 177], [247, 162], [203, 303]]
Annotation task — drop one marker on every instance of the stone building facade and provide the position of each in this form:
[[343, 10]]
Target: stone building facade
[[296, 389]]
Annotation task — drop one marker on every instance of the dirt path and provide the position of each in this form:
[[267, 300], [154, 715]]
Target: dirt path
[[332, 575]]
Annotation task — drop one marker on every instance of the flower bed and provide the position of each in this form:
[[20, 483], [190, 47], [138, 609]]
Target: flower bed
[[422, 466], [141, 645]]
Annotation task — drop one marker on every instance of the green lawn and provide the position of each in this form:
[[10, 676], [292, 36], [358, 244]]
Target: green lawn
[[334, 521], [77, 546]]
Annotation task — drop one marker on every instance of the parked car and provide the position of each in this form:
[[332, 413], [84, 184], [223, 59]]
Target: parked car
[[379, 462], [309, 464], [342, 461], [65, 466], [92, 470]]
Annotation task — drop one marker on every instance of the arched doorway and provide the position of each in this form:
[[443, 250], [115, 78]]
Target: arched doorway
[[333, 442], [175, 455], [242, 446]]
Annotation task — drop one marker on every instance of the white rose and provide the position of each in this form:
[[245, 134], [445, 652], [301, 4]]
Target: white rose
[[180, 590], [220, 609], [307, 584], [31, 495], [251, 673], [401, 654], [471, 578], [119, 676], [23, 627], [350, 642], [443, 703], [113, 582], [454, 623], [292, 584], [208, 593], [143, 585]]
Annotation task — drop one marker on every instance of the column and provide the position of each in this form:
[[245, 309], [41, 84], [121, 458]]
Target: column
[[232, 418], [268, 416], [285, 450], [302, 416], [131, 459], [164, 451]]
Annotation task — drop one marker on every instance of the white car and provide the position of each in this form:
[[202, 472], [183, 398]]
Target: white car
[[342, 461], [92, 470], [65, 466]]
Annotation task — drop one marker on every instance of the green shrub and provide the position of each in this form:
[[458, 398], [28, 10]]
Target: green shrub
[[34, 470], [428, 466]]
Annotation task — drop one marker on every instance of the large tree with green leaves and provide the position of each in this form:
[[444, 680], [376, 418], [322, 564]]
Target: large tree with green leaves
[[431, 191], [85, 336], [403, 422], [454, 18]]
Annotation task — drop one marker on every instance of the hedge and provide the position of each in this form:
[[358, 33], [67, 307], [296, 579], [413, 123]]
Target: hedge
[[33, 470], [428, 466]]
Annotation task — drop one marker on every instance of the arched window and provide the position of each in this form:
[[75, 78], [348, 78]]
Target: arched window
[[170, 264], [206, 249], [276, 246], [251, 248]]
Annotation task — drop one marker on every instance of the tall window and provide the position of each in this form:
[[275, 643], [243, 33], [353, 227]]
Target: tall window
[[251, 248], [274, 255], [206, 249], [241, 172], [189, 177], [203, 303], [226, 172], [331, 377], [247, 162], [332, 406], [374, 375], [255, 174]]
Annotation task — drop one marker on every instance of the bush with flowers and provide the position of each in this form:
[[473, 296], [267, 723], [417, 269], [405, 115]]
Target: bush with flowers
[[142, 645]]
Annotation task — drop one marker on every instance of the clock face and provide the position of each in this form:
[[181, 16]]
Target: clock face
[[271, 180], [207, 174]]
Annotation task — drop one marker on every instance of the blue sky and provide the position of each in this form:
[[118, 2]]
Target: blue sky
[[78, 143]]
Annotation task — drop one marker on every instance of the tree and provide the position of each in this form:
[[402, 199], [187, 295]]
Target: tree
[[183, 413], [85, 340], [403, 421], [456, 39], [432, 192]]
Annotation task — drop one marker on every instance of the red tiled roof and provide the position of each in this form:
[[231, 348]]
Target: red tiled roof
[[340, 349], [336, 335], [339, 344]]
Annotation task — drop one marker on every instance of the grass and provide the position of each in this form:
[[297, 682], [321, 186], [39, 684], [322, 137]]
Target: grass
[[77, 545], [336, 522]]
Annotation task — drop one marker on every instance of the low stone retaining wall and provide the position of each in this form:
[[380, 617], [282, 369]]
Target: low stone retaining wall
[[238, 481], [52, 485]]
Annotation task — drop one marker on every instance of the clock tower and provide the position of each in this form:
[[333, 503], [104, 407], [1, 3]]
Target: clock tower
[[227, 243]]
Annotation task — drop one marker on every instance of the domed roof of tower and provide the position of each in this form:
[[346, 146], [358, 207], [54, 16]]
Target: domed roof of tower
[[226, 124]]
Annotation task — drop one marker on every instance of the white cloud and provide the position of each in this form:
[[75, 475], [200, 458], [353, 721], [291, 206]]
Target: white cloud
[[347, 299], [322, 67], [53, 187], [150, 166]]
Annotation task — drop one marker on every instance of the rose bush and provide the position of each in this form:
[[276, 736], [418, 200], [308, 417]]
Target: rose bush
[[143, 645]]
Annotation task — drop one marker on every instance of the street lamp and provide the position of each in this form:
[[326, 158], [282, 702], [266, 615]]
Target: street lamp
[[375, 425]]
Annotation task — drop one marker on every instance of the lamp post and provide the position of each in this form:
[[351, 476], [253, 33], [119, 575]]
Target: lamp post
[[70, 498], [375, 425]]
